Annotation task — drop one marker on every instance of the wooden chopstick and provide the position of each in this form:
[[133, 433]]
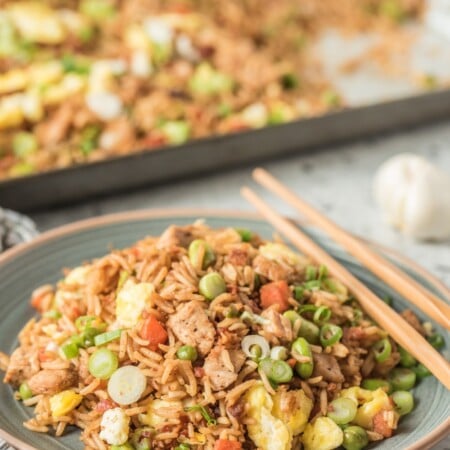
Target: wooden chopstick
[[429, 303], [400, 330]]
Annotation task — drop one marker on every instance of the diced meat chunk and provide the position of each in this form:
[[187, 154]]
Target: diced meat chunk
[[54, 129], [380, 424], [277, 325], [176, 236], [327, 367], [238, 256], [270, 269], [50, 382], [413, 320], [102, 278], [191, 326], [19, 367], [222, 367]]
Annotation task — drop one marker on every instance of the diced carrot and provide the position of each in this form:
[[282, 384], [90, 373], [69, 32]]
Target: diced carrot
[[275, 293], [292, 362], [225, 444], [153, 332], [380, 425]]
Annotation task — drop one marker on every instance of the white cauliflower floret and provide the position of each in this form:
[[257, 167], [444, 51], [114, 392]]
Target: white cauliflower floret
[[115, 426]]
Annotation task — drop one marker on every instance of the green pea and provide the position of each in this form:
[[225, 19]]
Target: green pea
[[437, 341], [142, 438], [421, 371], [25, 391], [372, 384], [404, 402], [182, 447], [301, 347], [310, 273], [212, 285], [194, 254], [355, 438], [299, 292], [246, 235], [402, 379], [382, 350], [309, 331], [187, 353], [406, 360], [342, 410]]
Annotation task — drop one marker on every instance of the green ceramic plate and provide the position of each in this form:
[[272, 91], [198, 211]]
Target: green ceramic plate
[[26, 267]]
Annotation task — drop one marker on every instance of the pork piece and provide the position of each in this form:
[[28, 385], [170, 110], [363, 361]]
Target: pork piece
[[176, 236], [412, 319], [327, 367], [19, 367], [271, 270], [191, 326], [218, 368], [277, 325], [238, 256], [102, 278], [50, 382], [118, 136]]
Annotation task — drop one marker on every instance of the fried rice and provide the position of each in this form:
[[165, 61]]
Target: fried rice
[[227, 342], [87, 80]]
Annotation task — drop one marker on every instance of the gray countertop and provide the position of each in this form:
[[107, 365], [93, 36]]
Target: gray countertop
[[335, 180]]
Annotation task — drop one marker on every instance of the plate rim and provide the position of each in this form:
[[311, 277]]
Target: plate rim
[[427, 441]]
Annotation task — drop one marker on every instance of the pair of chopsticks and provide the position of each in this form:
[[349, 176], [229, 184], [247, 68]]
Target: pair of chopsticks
[[400, 330]]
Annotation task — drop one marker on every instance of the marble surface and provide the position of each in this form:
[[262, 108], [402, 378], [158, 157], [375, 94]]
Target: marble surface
[[337, 180]]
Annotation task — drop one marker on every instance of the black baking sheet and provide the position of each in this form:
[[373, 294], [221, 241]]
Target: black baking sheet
[[64, 186]]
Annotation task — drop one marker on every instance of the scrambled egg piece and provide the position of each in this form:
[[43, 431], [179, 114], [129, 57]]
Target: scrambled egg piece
[[372, 402], [131, 301], [78, 275], [152, 418], [64, 402], [276, 418], [115, 426], [322, 434]]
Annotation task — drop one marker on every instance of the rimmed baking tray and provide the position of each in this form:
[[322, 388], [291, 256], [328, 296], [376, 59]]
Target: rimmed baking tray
[[60, 187]]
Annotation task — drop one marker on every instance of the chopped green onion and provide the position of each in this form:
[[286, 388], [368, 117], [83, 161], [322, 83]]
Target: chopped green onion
[[72, 64], [83, 322], [109, 336], [421, 371], [307, 308], [372, 384], [89, 139], [437, 341], [210, 420], [88, 336], [103, 363], [404, 402], [253, 318], [322, 315], [298, 292], [342, 410], [256, 352], [279, 352], [25, 391], [194, 253], [183, 447], [277, 371], [52, 314], [176, 131], [402, 379], [310, 273], [323, 272], [382, 350], [232, 312], [187, 353], [97, 9], [126, 446], [357, 316], [70, 350], [212, 285], [300, 347], [224, 110], [406, 360], [246, 235], [292, 316], [330, 334], [312, 285]]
